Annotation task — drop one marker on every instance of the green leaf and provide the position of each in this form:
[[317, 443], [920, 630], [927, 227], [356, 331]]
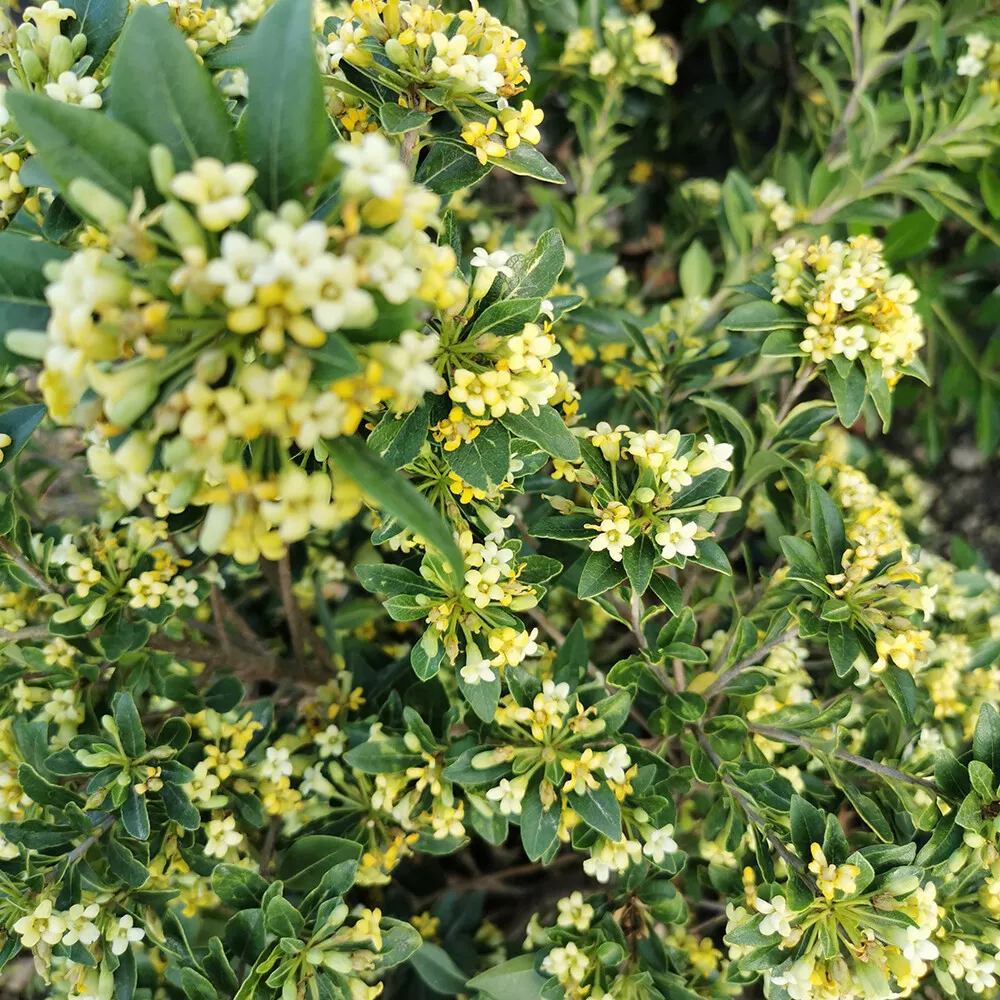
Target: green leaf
[[804, 564], [398, 498], [536, 273], [19, 424], [599, 809], [75, 142], [827, 525], [282, 919], [129, 725], [986, 738], [980, 775], [308, 859], [807, 826], [638, 560], [23, 283], [711, 555], [135, 817], [123, 864], [42, 791], [761, 315], [382, 756], [600, 573], [287, 127], [782, 344], [539, 826], [482, 696], [484, 461], [447, 168], [100, 20], [505, 317], [396, 119], [696, 271], [160, 90], [238, 887], [399, 439], [512, 980], [400, 940], [732, 416], [908, 235], [844, 647], [903, 690], [848, 393], [437, 970], [385, 578], [196, 986], [547, 430], [878, 389], [179, 808], [527, 161]]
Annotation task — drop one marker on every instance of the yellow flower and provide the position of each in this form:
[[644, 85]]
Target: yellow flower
[[522, 124], [480, 137]]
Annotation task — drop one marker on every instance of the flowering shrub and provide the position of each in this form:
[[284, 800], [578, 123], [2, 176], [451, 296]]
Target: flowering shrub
[[456, 537]]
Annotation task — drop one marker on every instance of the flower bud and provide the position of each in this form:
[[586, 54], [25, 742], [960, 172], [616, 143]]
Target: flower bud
[[161, 163], [28, 343], [412, 743], [215, 528], [645, 495], [396, 52], [211, 365], [181, 226], [79, 45], [94, 613], [68, 614], [61, 56], [181, 495], [561, 504], [901, 883], [97, 204], [723, 505], [33, 67]]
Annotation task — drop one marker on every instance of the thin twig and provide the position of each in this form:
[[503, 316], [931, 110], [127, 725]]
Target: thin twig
[[291, 608], [220, 619], [783, 736], [760, 653], [39, 579], [81, 849]]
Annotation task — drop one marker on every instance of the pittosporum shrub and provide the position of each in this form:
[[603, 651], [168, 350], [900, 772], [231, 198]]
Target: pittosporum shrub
[[455, 538]]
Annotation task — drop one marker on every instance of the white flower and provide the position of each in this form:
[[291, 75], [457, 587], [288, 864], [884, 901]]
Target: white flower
[[70, 89], [496, 261], [217, 190], [770, 193], [778, 917], [372, 168], [574, 912], [849, 341], [615, 762], [567, 964], [714, 455], [331, 741], [508, 795], [487, 75], [979, 45], [660, 843], [81, 926], [797, 978], [969, 65], [677, 538], [477, 668], [277, 764], [122, 934]]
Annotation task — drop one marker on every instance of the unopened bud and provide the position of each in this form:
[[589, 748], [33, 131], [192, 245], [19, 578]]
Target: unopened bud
[[98, 204], [561, 504], [645, 495], [181, 226], [161, 163], [211, 365], [78, 44], [215, 528], [181, 495], [33, 67], [723, 505], [61, 56], [28, 343], [396, 52], [94, 613], [68, 614], [412, 743]]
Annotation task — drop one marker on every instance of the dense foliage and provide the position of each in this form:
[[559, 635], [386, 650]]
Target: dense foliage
[[467, 484]]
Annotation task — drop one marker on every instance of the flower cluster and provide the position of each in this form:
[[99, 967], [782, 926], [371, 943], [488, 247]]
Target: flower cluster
[[854, 305], [625, 52]]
